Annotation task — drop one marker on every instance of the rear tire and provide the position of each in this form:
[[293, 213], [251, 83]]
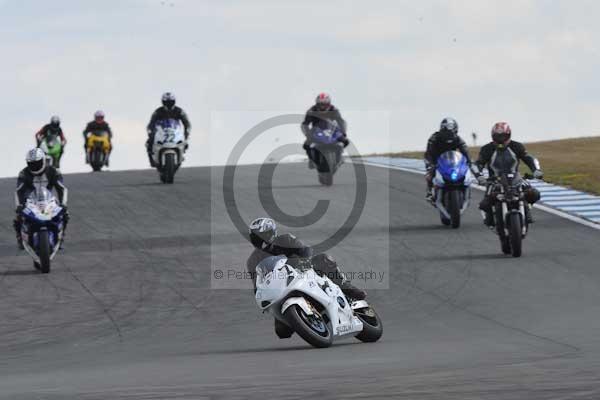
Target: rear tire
[[454, 206], [516, 234], [372, 325], [317, 334], [169, 168], [44, 251]]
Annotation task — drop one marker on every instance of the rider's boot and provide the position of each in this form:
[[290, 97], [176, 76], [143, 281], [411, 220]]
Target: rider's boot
[[488, 219], [282, 330], [17, 226], [528, 214], [311, 164], [429, 195], [152, 163]]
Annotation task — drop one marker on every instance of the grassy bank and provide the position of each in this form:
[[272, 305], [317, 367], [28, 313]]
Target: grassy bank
[[573, 163]]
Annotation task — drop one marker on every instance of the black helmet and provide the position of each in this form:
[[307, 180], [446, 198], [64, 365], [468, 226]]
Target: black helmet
[[168, 100], [262, 230]]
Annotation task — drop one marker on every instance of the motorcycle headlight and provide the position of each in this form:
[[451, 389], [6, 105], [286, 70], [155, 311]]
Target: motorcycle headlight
[[454, 175]]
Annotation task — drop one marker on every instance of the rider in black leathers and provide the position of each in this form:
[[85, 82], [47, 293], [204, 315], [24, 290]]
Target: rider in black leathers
[[168, 111], [37, 167], [320, 115], [266, 242], [504, 152], [446, 139]]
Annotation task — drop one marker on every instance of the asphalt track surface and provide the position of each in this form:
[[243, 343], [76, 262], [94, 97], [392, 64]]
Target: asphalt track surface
[[128, 311]]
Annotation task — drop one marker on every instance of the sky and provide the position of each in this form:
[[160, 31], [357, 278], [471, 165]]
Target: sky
[[531, 63]]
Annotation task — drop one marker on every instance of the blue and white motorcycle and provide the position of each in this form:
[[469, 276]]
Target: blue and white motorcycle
[[169, 148], [42, 228], [327, 151], [452, 187]]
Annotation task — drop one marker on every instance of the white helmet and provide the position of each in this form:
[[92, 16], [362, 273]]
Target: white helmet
[[262, 230], [36, 161], [99, 115]]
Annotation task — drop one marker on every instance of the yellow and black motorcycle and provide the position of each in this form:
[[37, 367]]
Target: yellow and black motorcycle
[[98, 149]]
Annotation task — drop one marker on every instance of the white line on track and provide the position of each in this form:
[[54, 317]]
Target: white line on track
[[542, 207]]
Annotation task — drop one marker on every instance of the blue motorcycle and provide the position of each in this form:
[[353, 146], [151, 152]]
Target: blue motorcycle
[[327, 151], [42, 227], [452, 187]]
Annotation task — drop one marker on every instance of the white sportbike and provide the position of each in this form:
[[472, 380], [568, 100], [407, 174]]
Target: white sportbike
[[168, 148], [311, 305]]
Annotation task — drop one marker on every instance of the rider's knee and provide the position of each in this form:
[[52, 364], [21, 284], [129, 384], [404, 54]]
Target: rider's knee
[[485, 204], [532, 195]]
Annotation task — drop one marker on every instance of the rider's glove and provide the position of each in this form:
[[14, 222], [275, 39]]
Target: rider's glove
[[482, 180], [538, 174], [19, 209]]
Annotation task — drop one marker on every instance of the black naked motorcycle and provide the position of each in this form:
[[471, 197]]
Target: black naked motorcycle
[[510, 210]]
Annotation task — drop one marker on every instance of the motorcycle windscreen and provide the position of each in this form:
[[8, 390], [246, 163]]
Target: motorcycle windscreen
[[325, 136], [168, 124], [272, 277], [453, 166], [41, 202]]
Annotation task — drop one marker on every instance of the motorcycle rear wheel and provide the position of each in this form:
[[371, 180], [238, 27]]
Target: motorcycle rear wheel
[[372, 325]]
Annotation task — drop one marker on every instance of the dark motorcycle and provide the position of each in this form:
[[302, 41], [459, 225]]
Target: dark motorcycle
[[508, 192], [327, 152]]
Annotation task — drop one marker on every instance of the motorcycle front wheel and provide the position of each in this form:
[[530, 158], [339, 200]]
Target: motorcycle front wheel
[[43, 253], [454, 205], [169, 168], [516, 235]]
